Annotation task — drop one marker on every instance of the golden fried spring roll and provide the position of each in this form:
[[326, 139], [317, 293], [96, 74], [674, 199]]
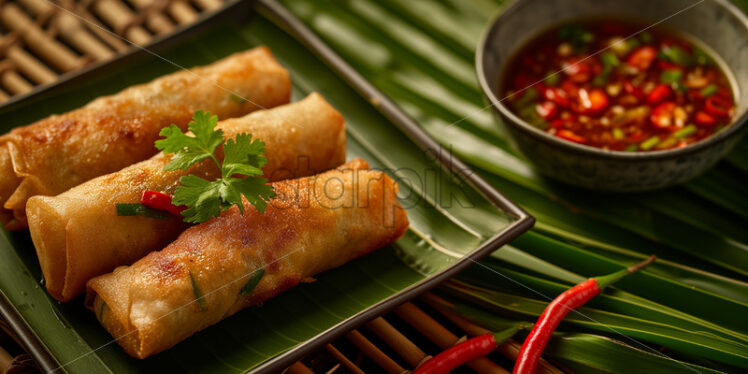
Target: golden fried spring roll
[[78, 234], [62, 151], [314, 224]]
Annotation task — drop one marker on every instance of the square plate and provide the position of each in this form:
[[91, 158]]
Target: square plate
[[456, 217]]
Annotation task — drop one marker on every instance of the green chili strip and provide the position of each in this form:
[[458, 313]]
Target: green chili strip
[[552, 79], [686, 131], [649, 143], [708, 90], [254, 279], [101, 311], [667, 143], [138, 209], [671, 76], [676, 55], [237, 99], [198, 294]]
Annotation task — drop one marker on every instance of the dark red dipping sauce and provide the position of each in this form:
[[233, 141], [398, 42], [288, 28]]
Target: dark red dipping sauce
[[593, 83]]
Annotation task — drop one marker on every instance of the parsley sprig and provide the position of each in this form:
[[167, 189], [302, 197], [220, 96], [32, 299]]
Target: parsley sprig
[[242, 157]]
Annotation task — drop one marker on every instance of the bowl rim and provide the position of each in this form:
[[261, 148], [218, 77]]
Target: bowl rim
[[733, 130]]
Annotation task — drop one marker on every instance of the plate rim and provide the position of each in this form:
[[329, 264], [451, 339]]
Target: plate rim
[[239, 10]]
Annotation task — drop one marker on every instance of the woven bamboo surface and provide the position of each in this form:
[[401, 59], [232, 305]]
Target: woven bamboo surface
[[41, 41]]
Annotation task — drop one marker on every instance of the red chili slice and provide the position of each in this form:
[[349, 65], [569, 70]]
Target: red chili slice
[[667, 65], [547, 110], [662, 115], [160, 201], [642, 58], [578, 70], [660, 93], [717, 106], [557, 123], [556, 95], [704, 118], [590, 102], [571, 136], [633, 90]]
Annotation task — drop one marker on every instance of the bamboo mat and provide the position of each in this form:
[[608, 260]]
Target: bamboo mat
[[41, 41]]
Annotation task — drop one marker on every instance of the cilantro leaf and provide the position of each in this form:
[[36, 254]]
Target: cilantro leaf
[[189, 150], [243, 156], [241, 166]]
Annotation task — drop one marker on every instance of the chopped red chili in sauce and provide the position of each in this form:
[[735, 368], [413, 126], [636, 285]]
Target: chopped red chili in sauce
[[598, 85]]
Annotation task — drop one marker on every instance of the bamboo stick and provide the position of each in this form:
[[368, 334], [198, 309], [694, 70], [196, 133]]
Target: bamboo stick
[[30, 66], [374, 353], [206, 5], [6, 361], [50, 50], [91, 24], [182, 12], [299, 368], [154, 20], [343, 360], [3, 96], [442, 337], [122, 20], [397, 341], [15, 83]]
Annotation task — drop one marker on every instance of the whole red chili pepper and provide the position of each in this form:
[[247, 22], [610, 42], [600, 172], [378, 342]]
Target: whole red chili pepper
[[458, 354], [572, 298], [160, 201]]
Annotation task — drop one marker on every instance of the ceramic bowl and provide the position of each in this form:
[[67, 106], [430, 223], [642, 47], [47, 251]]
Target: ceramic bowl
[[722, 30]]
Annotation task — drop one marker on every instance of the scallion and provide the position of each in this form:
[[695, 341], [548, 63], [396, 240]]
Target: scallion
[[686, 131], [649, 143], [708, 91], [676, 54], [252, 282], [617, 134], [552, 79], [138, 209], [198, 294], [671, 76]]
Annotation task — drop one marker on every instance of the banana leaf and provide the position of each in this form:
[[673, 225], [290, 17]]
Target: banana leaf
[[449, 218], [631, 329]]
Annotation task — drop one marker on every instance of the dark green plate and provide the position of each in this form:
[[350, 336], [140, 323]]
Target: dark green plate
[[455, 216]]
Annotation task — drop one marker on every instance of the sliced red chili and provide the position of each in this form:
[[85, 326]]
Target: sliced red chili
[[590, 102], [704, 118], [546, 110], [717, 106], [557, 123], [160, 201], [557, 95], [660, 93], [571, 136], [633, 90], [667, 65], [578, 70], [642, 58], [662, 115]]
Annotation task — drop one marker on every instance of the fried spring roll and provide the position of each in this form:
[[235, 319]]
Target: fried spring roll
[[78, 234], [62, 151], [315, 224]]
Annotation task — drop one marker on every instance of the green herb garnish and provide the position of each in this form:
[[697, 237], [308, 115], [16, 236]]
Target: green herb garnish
[[610, 61], [649, 143], [645, 37], [138, 209], [242, 157], [552, 79], [686, 131], [237, 99], [708, 90], [671, 76], [618, 134], [254, 279], [676, 55], [198, 294]]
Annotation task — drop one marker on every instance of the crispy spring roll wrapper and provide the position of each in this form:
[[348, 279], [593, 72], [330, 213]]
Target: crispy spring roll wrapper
[[62, 151], [78, 234], [315, 224]]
